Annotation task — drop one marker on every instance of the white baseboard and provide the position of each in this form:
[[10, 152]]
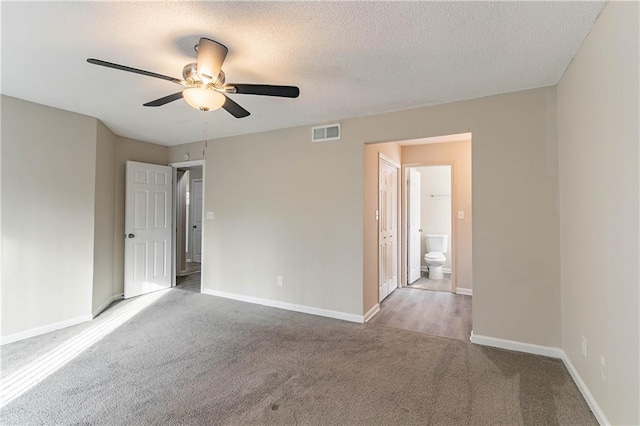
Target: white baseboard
[[550, 352], [445, 270], [584, 390], [44, 329], [512, 345], [118, 296], [285, 305], [372, 312], [465, 291]]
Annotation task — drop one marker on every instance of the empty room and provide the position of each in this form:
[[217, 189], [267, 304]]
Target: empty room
[[358, 213]]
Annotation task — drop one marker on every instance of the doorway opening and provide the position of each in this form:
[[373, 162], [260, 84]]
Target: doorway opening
[[433, 290], [429, 230], [189, 211]]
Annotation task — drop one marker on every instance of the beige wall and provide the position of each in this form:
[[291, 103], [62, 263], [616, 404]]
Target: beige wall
[[514, 155], [370, 230], [598, 137], [285, 207], [435, 211], [195, 150], [48, 186], [104, 218], [299, 206], [458, 154], [129, 150], [69, 170]]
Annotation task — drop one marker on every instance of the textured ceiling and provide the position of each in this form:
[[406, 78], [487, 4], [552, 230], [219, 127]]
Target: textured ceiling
[[348, 58]]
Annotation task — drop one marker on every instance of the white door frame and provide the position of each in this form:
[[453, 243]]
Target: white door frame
[[405, 231], [177, 165]]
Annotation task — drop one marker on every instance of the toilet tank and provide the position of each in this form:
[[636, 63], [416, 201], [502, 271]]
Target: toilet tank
[[437, 242]]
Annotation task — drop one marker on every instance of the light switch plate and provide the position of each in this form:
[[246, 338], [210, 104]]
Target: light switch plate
[[210, 216], [460, 214]]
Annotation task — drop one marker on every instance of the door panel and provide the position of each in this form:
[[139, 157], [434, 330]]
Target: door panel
[[388, 228], [147, 265]]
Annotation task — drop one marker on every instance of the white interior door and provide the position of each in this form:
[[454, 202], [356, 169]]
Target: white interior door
[[388, 229], [413, 232], [147, 247], [196, 208]]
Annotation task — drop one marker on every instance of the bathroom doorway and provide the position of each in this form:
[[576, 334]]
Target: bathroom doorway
[[443, 313], [429, 227]]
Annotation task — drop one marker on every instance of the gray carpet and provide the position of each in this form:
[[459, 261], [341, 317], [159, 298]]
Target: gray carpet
[[198, 359]]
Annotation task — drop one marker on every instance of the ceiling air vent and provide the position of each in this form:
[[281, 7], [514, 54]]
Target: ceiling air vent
[[325, 133]]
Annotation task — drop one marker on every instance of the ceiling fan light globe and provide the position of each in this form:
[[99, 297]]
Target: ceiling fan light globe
[[203, 99]]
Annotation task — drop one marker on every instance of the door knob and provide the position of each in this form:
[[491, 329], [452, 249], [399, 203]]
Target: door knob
[[131, 236]]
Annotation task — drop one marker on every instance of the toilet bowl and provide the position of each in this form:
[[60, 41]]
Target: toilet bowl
[[435, 258]]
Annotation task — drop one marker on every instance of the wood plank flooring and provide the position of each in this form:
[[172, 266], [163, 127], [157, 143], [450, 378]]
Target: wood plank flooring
[[192, 268], [431, 312], [425, 283], [189, 282]]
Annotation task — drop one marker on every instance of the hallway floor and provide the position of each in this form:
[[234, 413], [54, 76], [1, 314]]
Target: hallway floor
[[437, 313], [189, 282], [425, 283]]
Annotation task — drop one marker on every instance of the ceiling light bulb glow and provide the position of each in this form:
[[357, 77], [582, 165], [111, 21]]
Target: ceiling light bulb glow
[[211, 55], [203, 99]]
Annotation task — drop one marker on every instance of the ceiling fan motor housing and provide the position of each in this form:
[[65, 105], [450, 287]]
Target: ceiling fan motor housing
[[191, 76]]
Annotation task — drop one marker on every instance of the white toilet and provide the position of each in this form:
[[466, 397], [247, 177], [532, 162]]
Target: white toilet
[[437, 246]]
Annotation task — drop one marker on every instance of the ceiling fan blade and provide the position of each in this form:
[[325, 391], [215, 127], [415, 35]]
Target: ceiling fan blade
[[165, 100], [211, 55], [267, 90], [234, 109], [134, 70]]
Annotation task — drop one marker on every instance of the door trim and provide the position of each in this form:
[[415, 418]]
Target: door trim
[[176, 165]]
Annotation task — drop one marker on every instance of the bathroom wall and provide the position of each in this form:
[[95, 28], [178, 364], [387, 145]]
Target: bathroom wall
[[435, 208], [458, 154]]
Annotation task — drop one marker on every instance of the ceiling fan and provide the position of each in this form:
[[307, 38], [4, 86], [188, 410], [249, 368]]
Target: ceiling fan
[[205, 83]]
